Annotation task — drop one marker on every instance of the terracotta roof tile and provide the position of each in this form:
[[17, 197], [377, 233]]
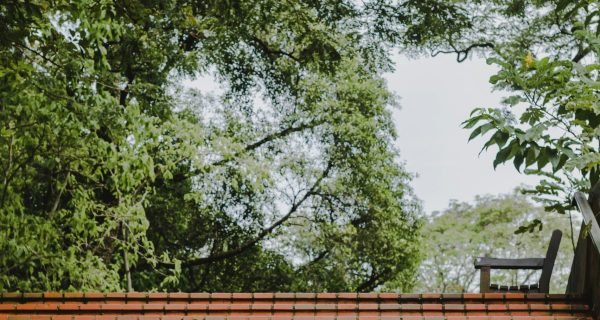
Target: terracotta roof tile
[[220, 296], [410, 296], [50, 295], [346, 295], [365, 295], [291, 306], [93, 296], [118, 317], [179, 296]]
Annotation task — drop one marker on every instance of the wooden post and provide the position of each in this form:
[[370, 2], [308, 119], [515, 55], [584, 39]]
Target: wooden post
[[578, 276], [549, 261], [484, 279], [585, 271]]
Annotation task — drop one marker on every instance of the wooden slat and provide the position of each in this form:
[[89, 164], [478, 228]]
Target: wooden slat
[[500, 263], [484, 279], [549, 261], [577, 278], [588, 218], [585, 271]]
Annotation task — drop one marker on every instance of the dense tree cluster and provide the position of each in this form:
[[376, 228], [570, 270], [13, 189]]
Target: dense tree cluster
[[116, 176]]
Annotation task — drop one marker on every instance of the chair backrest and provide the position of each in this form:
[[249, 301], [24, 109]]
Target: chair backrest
[[549, 261]]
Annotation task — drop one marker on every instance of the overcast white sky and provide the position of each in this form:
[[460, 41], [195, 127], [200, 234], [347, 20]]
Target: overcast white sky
[[437, 94]]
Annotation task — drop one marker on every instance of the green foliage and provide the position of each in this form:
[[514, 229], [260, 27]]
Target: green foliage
[[491, 226], [289, 181], [549, 124]]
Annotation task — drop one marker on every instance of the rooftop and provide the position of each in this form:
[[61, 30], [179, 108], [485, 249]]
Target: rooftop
[[290, 306]]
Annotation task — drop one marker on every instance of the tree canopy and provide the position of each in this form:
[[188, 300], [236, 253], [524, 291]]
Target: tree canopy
[[547, 53], [117, 176]]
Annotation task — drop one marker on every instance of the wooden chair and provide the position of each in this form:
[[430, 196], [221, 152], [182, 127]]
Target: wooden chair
[[485, 264]]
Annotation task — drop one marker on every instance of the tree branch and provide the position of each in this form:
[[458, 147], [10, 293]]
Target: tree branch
[[7, 170], [265, 232], [266, 48], [39, 54], [267, 139], [253, 146], [10, 175], [318, 258], [581, 53], [371, 283], [461, 55], [60, 192]]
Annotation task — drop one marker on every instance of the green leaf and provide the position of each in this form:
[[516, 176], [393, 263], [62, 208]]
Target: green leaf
[[512, 100], [532, 152], [518, 161], [562, 4], [530, 227], [543, 158], [502, 155], [481, 130], [561, 163], [475, 133]]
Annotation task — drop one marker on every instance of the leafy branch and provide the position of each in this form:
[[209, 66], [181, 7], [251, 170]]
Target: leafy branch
[[264, 233]]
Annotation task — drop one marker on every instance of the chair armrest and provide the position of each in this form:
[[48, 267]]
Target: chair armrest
[[499, 263]]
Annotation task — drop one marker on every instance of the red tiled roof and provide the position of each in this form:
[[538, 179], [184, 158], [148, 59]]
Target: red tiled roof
[[290, 306]]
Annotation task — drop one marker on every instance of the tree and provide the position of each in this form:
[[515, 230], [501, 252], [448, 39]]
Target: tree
[[548, 64], [116, 177], [491, 226]]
